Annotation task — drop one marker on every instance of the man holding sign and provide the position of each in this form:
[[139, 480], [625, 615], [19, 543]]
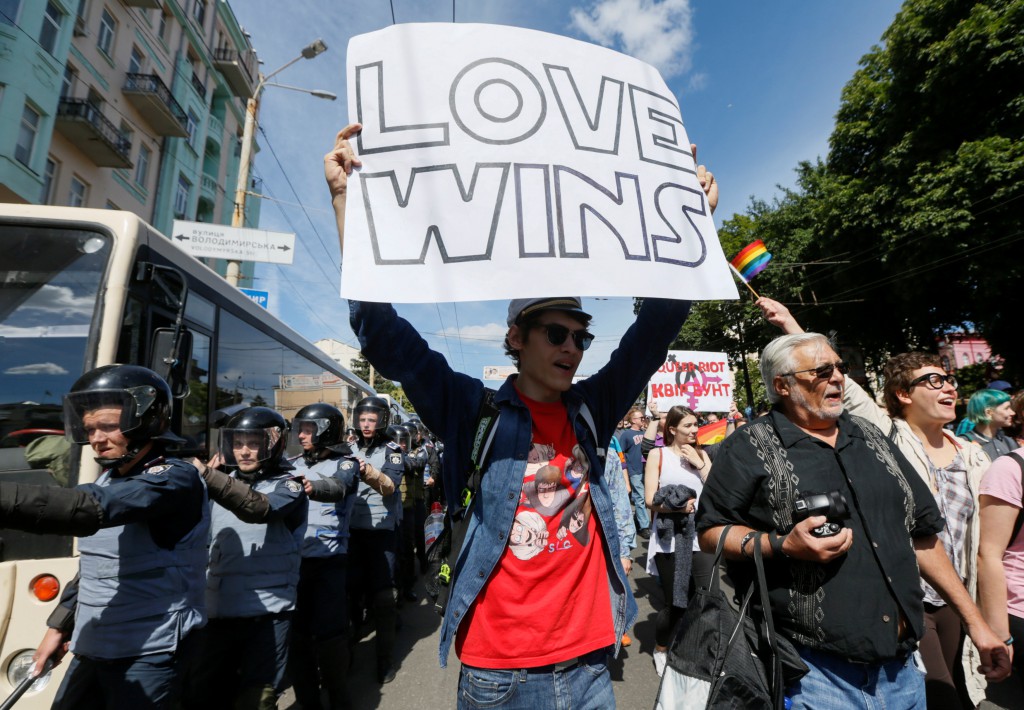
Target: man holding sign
[[539, 598]]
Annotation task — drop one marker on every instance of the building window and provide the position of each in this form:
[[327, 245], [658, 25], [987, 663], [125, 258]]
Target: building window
[[142, 165], [27, 135], [9, 11], [181, 197], [49, 180], [127, 134], [78, 193], [105, 38], [193, 128], [199, 11], [162, 30], [136, 61], [51, 28], [67, 84], [112, 206]]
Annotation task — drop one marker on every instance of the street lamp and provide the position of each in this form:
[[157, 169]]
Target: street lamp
[[311, 50]]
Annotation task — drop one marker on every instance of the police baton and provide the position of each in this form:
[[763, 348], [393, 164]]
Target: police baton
[[24, 685]]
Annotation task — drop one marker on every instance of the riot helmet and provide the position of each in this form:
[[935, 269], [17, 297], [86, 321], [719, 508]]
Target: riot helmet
[[372, 405], [252, 438], [327, 422], [144, 400], [401, 434], [419, 431]]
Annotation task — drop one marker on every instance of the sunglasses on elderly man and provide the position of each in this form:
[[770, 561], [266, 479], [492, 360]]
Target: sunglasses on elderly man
[[822, 372], [558, 333], [935, 381]]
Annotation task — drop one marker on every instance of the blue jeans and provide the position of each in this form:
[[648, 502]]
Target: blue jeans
[[834, 683], [636, 494], [584, 687]]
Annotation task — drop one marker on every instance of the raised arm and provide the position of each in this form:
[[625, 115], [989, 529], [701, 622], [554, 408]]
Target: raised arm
[[338, 165]]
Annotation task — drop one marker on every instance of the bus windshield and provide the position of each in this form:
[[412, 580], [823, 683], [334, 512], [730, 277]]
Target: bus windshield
[[49, 282]]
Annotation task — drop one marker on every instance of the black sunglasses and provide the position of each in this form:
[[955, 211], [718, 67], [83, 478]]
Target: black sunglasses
[[822, 372], [558, 333], [935, 381]]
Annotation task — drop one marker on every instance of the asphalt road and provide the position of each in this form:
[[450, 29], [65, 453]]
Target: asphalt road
[[421, 682]]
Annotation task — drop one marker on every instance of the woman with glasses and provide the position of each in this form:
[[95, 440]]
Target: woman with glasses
[[920, 400]]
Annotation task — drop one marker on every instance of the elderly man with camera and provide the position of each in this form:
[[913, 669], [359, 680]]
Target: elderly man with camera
[[851, 529]]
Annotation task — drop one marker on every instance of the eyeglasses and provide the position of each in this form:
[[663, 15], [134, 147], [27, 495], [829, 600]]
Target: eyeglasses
[[935, 381], [558, 333], [822, 372]]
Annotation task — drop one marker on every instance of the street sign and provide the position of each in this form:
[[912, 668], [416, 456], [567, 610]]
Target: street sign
[[218, 241], [498, 372], [260, 298]]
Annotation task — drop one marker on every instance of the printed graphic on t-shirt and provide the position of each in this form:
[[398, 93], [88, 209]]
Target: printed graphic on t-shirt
[[555, 495]]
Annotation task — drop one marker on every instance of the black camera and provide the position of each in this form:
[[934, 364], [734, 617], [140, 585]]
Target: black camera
[[832, 505]]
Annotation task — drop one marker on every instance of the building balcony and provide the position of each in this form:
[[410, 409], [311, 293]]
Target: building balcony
[[239, 70], [214, 131], [151, 97], [147, 4], [93, 134], [208, 188]]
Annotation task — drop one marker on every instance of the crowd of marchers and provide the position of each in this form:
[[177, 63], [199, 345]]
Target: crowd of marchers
[[892, 547]]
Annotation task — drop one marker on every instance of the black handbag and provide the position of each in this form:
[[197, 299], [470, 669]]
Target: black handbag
[[721, 657]]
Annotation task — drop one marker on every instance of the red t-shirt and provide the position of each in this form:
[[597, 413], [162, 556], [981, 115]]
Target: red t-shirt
[[548, 599]]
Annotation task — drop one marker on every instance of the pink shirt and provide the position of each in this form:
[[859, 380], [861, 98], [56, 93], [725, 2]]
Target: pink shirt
[[1002, 481]]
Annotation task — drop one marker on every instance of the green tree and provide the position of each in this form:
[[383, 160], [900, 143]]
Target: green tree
[[382, 385], [923, 182]]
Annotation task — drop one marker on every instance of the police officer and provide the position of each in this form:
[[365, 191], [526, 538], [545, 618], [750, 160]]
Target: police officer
[[319, 652], [257, 530], [411, 489], [132, 615], [374, 527], [428, 461]]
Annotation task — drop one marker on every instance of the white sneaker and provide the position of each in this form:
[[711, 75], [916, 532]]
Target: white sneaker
[[660, 660]]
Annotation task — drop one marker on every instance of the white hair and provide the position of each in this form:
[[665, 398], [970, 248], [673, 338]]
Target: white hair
[[777, 358]]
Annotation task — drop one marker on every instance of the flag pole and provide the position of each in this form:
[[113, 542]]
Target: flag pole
[[744, 281]]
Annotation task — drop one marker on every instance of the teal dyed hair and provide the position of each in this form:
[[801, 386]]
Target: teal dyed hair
[[982, 400]]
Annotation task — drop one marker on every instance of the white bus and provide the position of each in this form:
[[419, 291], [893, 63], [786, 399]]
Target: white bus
[[81, 288]]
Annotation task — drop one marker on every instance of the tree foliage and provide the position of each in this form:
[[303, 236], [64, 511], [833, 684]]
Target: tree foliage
[[382, 385], [919, 201]]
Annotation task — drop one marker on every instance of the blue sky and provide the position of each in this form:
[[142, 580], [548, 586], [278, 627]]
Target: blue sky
[[758, 84]]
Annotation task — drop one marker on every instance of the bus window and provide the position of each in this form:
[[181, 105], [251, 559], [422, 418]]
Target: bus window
[[195, 418], [49, 285]]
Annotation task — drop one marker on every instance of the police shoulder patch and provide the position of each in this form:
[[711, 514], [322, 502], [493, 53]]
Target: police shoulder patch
[[393, 445], [157, 470], [395, 458], [348, 465], [293, 485]]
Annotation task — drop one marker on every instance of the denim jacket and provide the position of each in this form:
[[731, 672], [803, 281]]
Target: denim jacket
[[448, 403]]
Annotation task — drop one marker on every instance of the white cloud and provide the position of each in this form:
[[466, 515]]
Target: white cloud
[[660, 32], [60, 299], [491, 334], [697, 82], [39, 368]]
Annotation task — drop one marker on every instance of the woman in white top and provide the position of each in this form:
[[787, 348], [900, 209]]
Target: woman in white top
[[679, 461]]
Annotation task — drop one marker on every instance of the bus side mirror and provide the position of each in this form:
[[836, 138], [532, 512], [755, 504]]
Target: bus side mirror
[[171, 358]]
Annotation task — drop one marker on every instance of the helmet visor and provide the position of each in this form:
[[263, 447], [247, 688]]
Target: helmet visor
[[315, 427], [241, 446], [84, 412]]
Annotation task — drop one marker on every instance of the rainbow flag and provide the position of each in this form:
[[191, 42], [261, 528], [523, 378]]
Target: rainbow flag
[[712, 433], [751, 260]]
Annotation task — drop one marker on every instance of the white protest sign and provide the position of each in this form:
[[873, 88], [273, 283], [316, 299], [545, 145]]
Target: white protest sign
[[500, 162], [700, 381]]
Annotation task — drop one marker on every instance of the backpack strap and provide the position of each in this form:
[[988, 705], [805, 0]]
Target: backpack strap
[[1019, 522]]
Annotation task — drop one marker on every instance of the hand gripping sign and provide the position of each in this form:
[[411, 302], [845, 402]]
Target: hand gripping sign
[[500, 162]]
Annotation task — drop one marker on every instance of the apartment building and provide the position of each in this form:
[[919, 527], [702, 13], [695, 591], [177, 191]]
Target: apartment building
[[125, 104]]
